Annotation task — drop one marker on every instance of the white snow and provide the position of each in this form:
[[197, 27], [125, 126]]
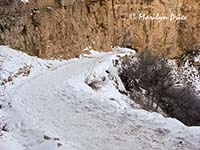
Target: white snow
[[197, 59], [25, 1], [192, 76], [54, 100]]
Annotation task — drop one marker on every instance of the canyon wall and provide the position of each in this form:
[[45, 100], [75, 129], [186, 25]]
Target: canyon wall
[[64, 28], [55, 28], [172, 35]]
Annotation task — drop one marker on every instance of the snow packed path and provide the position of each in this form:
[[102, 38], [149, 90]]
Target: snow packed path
[[58, 103]]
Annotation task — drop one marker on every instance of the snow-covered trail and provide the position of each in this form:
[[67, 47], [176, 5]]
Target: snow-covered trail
[[62, 105], [61, 102]]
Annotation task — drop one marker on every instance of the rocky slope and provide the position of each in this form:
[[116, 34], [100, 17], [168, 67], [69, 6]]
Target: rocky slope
[[64, 28]]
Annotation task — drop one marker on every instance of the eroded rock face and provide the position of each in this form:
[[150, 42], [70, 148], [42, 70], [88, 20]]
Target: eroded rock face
[[171, 36], [63, 28], [56, 28]]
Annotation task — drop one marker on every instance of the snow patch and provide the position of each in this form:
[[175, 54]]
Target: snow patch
[[54, 100], [25, 1]]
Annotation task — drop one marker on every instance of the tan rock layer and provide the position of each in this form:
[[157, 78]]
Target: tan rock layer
[[53, 28], [64, 28], [169, 37]]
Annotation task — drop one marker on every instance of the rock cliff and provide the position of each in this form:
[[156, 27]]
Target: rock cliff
[[64, 28], [170, 35], [55, 28]]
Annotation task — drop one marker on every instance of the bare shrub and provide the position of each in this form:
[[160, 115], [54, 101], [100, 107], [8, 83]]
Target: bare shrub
[[151, 83], [95, 84], [3, 125], [183, 104], [149, 76]]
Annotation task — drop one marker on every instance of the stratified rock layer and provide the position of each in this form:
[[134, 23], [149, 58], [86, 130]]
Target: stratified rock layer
[[64, 28], [167, 36], [55, 28]]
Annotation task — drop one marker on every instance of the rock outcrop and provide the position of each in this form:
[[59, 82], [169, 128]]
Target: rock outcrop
[[171, 36], [64, 28], [55, 28]]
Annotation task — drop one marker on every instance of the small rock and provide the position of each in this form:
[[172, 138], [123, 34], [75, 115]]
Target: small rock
[[10, 78], [47, 137], [59, 144], [56, 139]]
